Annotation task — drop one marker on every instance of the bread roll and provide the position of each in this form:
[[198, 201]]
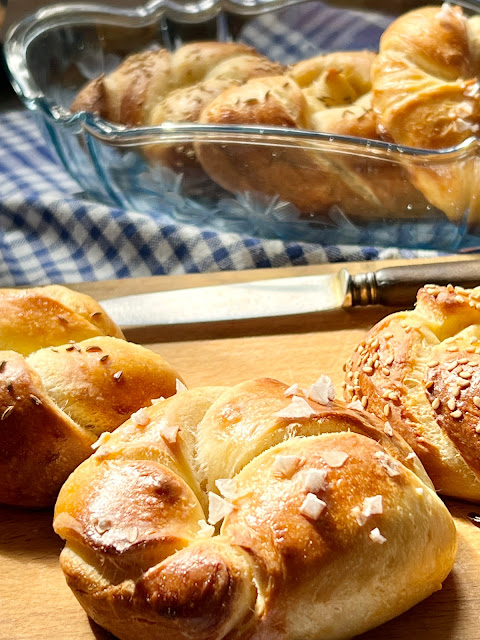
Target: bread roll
[[330, 526], [329, 93], [426, 94], [418, 371], [49, 316], [56, 402], [152, 87]]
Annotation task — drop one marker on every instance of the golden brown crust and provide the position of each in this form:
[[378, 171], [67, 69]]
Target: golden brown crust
[[55, 403], [328, 93], [49, 316], [141, 561], [426, 95], [418, 371]]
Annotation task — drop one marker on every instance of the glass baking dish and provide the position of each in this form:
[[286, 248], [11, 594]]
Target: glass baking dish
[[53, 53]]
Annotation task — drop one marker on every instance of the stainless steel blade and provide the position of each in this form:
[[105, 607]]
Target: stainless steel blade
[[258, 299]]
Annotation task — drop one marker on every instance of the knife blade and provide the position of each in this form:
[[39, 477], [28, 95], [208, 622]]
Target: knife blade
[[391, 286]]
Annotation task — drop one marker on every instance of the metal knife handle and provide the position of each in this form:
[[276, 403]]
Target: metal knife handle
[[397, 286]]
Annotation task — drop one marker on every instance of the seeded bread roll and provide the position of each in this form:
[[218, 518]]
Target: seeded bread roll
[[330, 525], [419, 371], [48, 316], [56, 402]]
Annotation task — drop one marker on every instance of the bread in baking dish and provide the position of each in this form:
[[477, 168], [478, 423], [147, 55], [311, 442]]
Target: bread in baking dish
[[329, 93], [330, 526], [419, 371], [47, 316], [156, 86], [426, 94], [56, 402]]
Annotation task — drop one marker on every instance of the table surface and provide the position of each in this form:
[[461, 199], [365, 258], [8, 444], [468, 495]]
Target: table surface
[[34, 600]]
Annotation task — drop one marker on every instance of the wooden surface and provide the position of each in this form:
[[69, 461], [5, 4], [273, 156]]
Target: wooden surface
[[35, 603]]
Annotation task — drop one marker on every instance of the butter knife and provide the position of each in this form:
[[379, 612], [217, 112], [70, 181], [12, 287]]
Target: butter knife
[[391, 286]]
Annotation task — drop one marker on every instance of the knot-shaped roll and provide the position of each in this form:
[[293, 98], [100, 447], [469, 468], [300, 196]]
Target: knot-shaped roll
[[156, 86], [426, 94], [330, 525], [66, 376], [419, 371], [49, 316], [329, 93]]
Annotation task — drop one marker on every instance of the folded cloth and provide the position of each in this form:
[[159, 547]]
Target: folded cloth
[[51, 233]]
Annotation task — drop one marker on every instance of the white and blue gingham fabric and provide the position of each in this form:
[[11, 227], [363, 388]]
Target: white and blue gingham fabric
[[49, 232]]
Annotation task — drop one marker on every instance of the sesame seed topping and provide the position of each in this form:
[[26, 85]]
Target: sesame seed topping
[[456, 391], [54, 349], [477, 428], [63, 319], [476, 401], [35, 399], [460, 299], [96, 314], [388, 335], [117, 375], [451, 404], [457, 414], [93, 348], [433, 363], [7, 412], [104, 358], [463, 383], [386, 410], [367, 369], [451, 365], [466, 375], [463, 360], [364, 402], [2, 365], [385, 371], [429, 384], [436, 404], [389, 360], [452, 349]]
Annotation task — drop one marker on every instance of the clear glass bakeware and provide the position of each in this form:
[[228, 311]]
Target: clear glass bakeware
[[53, 53]]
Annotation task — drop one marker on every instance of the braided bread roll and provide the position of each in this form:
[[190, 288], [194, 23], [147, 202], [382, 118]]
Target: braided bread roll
[[156, 86], [330, 526], [419, 371], [56, 402], [49, 316], [426, 94], [329, 93]]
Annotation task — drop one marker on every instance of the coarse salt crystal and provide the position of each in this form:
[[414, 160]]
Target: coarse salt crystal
[[179, 386], [356, 404], [104, 437], [206, 530], [169, 432], [286, 465], [334, 458], [322, 390], [315, 480], [227, 487], [298, 408], [376, 536], [371, 506], [312, 507], [472, 90], [218, 508], [291, 391], [389, 464], [410, 456], [140, 417], [388, 428], [419, 490]]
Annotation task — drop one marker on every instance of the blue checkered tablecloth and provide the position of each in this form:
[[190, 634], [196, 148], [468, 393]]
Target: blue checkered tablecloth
[[50, 233]]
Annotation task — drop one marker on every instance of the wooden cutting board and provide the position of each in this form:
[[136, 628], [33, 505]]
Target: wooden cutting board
[[35, 603]]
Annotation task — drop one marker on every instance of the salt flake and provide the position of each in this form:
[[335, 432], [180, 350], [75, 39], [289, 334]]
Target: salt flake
[[291, 391], [312, 507], [376, 536], [322, 391], [218, 508], [286, 465], [298, 408], [227, 487], [389, 464], [334, 458], [179, 386], [140, 417], [315, 480]]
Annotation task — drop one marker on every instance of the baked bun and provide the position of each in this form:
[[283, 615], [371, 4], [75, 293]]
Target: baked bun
[[426, 94], [56, 402], [419, 371], [49, 316], [330, 526], [152, 87], [329, 93]]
